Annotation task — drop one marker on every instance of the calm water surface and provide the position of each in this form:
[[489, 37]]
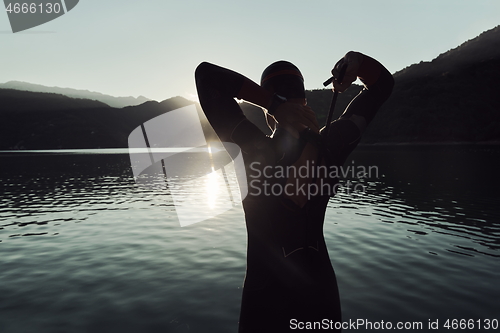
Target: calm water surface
[[83, 249]]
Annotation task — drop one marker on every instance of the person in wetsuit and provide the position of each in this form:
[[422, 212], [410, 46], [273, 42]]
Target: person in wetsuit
[[289, 275]]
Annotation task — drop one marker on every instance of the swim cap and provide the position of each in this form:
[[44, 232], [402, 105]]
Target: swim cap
[[284, 79]]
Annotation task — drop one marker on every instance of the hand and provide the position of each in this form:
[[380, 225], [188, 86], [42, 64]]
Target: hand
[[353, 60], [295, 118]]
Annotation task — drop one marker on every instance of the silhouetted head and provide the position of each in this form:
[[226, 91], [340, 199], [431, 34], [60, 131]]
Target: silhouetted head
[[285, 79]]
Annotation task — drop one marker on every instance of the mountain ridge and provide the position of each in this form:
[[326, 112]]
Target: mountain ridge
[[484, 47], [113, 101]]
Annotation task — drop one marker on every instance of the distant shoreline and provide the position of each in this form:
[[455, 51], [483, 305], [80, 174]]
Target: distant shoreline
[[126, 150]]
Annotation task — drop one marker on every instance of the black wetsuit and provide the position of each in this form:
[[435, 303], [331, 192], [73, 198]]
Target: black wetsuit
[[289, 273]]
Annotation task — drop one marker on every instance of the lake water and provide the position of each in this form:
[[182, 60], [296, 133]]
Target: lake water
[[84, 249]]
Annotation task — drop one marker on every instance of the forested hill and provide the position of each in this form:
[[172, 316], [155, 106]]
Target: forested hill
[[51, 121], [453, 98], [481, 49]]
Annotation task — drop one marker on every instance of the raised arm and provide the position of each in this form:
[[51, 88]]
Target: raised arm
[[217, 87], [378, 84], [345, 133]]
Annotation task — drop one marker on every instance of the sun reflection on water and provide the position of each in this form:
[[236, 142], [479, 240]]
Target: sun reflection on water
[[212, 188], [212, 183]]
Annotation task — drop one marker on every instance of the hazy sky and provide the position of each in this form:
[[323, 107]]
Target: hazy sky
[[152, 47]]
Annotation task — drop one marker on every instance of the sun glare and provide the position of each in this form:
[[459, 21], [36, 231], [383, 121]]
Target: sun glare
[[192, 97]]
